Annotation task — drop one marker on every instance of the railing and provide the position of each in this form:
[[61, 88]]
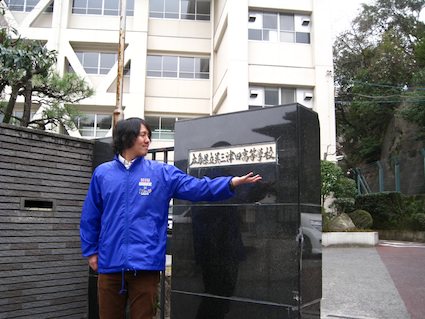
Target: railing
[[404, 172]]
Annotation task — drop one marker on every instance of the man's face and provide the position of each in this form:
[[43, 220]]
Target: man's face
[[141, 143]]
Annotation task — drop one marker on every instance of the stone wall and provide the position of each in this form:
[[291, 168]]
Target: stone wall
[[44, 178]]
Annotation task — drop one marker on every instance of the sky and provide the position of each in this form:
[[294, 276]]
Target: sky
[[344, 11]]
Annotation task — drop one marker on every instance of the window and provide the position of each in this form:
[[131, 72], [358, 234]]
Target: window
[[94, 125], [283, 27], [99, 62], [177, 67], [16, 117], [101, 7], [25, 5], [270, 96], [162, 127], [287, 96], [180, 9]]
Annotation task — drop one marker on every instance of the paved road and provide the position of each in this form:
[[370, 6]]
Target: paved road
[[387, 281], [405, 263]]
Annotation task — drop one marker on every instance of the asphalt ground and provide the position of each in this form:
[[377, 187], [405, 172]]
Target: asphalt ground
[[386, 281]]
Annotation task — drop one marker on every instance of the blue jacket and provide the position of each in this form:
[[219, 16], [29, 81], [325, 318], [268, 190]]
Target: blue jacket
[[125, 213]]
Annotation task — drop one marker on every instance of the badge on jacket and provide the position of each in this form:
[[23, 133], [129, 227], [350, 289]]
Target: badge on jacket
[[145, 186]]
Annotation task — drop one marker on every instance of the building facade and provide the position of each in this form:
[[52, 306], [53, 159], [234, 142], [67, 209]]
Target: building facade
[[188, 58]]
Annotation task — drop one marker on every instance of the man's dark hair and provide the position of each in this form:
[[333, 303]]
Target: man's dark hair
[[126, 132]]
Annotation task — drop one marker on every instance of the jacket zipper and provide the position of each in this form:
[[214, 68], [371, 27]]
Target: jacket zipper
[[127, 213]]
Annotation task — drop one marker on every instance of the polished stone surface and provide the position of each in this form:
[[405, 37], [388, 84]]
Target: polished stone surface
[[244, 257]]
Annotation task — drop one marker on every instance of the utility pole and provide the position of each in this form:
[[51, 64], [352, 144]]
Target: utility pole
[[118, 112]]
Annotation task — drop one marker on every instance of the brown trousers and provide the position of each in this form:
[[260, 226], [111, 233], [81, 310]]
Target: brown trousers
[[141, 294]]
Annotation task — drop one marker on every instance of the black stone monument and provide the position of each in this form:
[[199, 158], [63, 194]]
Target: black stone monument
[[258, 254]]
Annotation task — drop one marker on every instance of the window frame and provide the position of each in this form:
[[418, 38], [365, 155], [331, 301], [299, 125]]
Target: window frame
[[94, 129], [101, 10], [179, 14], [261, 91], [159, 131], [100, 70], [193, 72], [27, 7], [258, 33]]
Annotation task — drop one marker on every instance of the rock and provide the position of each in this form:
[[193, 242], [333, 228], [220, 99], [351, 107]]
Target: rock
[[340, 223]]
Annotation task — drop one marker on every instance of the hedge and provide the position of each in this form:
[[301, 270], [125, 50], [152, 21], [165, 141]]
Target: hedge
[[394, 211], [385, 208]]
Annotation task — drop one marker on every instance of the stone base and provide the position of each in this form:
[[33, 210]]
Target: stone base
[[350, 238], [403, 235]]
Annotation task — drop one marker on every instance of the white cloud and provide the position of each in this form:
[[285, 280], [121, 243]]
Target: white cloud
[[343, 12]]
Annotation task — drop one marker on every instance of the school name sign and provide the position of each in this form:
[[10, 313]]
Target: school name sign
[[237, 155]]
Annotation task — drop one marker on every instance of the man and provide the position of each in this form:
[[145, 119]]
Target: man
[[123, 224]]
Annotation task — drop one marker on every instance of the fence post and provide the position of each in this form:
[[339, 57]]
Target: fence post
[[396, 173], [423, 154], [381, 176]]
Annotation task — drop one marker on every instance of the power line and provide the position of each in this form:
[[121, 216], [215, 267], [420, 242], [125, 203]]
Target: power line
[[404, 88], [383, 101]]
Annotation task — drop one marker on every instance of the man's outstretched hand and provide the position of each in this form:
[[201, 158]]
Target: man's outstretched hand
[[246, 179]]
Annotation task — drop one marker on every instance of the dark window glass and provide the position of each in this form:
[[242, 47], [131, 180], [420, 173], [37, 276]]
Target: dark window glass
[[79, 3], [107, 61], [156, 5], [203, 7], [171, 7], [130, 8], [270, 21], [169, 66], [286, 22], [201, 68], [111, 7], [104, 122], [16, 5], [91, 62], [50, 7], [271, 96], [86, 124], [302, 37], [287, 95], [254, 34], [254, 107], [127, 68], [154, 65], [153, 122], [167, 127], [167, 123], [188, 9], [187, 64], [187, 67], [153, 73], [94, 7], [203, 10], [30, 5]]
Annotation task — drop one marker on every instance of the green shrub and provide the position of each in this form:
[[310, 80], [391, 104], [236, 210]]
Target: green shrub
[[326, 218], [362, 219], [414, 210], [386, 208], [418, 221], [344, 205]]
